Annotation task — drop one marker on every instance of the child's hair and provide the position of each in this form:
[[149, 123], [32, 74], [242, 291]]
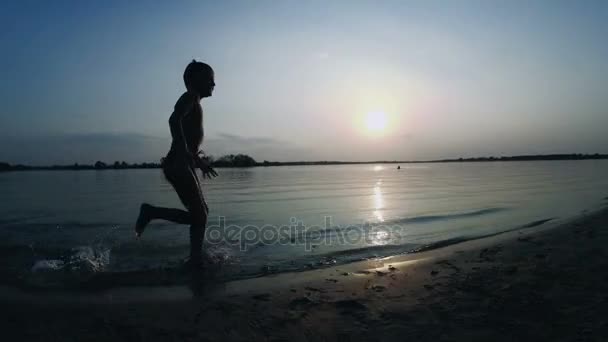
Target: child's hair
[[195, 70]]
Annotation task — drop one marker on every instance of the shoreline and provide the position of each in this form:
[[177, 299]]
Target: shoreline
[[5, 167], [547, 282], [159, 279]]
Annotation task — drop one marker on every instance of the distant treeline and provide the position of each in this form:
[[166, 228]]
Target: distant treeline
[[573, 156], [243, 160], [230, 160]]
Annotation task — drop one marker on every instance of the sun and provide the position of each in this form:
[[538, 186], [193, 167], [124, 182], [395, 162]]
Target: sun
[[375, 122]]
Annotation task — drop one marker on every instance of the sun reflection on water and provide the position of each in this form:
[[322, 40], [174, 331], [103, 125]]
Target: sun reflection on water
[[378, 202]]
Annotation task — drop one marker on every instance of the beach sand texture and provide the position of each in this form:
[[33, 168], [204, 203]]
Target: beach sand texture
[[545, 284]]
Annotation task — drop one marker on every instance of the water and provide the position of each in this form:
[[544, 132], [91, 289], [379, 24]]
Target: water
[[278, 219]]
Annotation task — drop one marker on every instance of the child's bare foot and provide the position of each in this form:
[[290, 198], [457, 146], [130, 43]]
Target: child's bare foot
[[143, 219]]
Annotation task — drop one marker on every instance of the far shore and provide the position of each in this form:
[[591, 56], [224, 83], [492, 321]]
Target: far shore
[[6, 167], [547, 283]]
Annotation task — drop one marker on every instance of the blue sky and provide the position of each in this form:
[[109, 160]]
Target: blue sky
[[85, 81]]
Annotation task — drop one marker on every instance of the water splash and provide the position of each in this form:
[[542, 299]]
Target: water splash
[[88, 259], [82, 259], [47, 265]]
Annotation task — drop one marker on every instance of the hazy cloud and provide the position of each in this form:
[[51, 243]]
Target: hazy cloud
[[82, 148], [322, 55], [134, 147], [248, 140], [260, 148]]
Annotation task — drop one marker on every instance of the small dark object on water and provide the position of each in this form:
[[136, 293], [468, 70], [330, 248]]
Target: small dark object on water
[[398, 167]]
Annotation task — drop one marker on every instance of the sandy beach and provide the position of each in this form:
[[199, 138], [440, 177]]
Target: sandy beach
[[547, 283]]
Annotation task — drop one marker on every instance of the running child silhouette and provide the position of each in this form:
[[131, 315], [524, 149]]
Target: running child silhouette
[[179, 166]]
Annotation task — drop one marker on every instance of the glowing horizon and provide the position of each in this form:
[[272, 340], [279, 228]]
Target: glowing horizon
[[317, 80]]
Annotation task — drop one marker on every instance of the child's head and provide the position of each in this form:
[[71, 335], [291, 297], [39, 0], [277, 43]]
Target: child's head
[[199, 77]]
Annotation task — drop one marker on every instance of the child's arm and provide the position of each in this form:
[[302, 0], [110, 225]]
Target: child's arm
[[203, 164]]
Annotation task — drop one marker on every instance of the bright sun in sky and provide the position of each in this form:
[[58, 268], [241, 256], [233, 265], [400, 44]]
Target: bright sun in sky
[[375, 122]]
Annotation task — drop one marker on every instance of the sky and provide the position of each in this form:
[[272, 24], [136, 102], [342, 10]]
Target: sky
[[298, 80]]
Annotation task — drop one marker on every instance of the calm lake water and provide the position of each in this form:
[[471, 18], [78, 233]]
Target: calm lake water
[[274, 219]]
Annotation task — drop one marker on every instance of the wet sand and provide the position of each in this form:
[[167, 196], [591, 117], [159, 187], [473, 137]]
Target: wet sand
[[548, 283]]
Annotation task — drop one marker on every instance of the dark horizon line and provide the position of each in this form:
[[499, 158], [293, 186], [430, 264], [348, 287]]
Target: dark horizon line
[[123, 165]]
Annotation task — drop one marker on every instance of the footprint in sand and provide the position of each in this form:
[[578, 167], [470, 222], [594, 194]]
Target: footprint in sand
[[263, 297], [378, 288], [350, 305], [300, 303]]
